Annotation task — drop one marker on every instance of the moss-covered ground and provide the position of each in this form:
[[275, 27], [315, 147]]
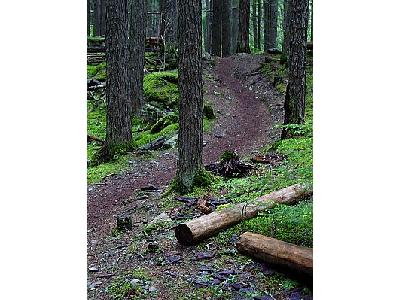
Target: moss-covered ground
[[159, 118]]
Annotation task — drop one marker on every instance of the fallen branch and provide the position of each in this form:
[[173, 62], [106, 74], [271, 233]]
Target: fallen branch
[[287, 257], [198, 229]]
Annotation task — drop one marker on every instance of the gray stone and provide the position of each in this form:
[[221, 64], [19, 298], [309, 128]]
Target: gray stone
[[163, 217]]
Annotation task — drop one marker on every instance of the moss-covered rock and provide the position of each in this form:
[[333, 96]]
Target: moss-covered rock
[[208, 111], [164, 122], [161, 89]]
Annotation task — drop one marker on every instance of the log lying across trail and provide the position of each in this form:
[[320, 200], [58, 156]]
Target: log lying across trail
[[196, 230], [288, 257]]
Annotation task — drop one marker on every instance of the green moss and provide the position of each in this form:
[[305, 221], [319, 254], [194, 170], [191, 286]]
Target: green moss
[[203, 178], [208, 112], [121, 287], [97, 72], [164, 122], [228, 155], [161, 89]]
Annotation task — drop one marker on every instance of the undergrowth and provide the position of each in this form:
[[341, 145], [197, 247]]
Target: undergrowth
[[159, 119]]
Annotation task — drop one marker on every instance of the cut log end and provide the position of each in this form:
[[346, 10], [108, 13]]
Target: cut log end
[[184, 235]]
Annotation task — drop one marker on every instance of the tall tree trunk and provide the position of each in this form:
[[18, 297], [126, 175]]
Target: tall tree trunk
[[312, 19], [137, 36], [226, 27], [168, 26], [235, 29], [286, 19], [88, 17], [190, 134], [103, 17], [255, 23], [118, 124], [270, 24], [244, 22], [216, 28], [296, 89], [207, 40], [259, 14]]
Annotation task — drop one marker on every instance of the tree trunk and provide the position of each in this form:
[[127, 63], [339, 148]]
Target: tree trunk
[[118, 124], [312, 18], [168, 26], [88, 17], [270, 24], [216, 28], [286, 19], [244, 22], [235, 29], [296, 89], [207, 40], [137, 37], [190, 134], [226, 27], [287, 257], [255, 23], [259, 14], [196, 230]]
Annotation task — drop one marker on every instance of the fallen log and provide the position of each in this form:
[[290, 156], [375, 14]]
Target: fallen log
[[196, 230], [296, 260]]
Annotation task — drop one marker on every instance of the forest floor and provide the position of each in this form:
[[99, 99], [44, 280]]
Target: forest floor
[[147, 262]]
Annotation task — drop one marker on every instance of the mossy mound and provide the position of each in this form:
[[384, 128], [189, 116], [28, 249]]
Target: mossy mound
[[208, 111], [161, 89], [164, 122], [97, 72]]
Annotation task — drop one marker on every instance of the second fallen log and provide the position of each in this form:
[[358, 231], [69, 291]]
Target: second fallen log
[[288, 257], [196, 230]]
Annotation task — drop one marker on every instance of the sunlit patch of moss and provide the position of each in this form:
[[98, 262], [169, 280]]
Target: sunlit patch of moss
[[161, 89], [97, 72]]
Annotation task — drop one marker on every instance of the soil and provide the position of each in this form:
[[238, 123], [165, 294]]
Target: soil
[[247, 108]]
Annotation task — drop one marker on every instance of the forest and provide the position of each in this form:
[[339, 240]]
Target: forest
[[200, 149]]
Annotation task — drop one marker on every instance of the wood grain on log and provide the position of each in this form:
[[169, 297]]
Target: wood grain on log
[[196, 230], [288, 257]]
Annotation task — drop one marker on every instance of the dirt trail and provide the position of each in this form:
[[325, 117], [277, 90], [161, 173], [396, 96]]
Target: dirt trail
[[243, 101], [247, 109]]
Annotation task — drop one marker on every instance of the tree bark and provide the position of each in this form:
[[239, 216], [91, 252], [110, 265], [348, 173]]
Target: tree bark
[[286, 19], [207, 41], [244, 24], [88, 17], [255, 23], [190, 134], [137, 37], [226, 27], [196, 230], [235, 29], [102, 31], [288, 257], [270, 24], [296, 89], [168, 26], [118, 124], [259, 14], [216, 38]]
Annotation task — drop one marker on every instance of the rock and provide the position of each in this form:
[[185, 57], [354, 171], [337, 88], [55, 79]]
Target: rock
[[135, 282], [93, 269], [204, 255], [171, 143], [163, 217], [124, 222], [94, 285], [152, 289], [173, 259], [153, 246]]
